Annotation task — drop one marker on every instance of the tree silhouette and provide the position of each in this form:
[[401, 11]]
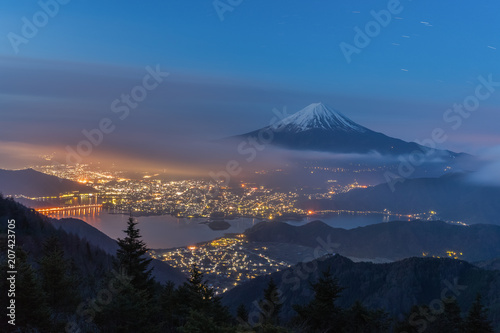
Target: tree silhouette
[[198, 303], [450, 320], [134, 308], [32, 309], [270, 306], [242, 313], [132, 257], [363, 320], [477, 319], [57, 281], [322, 314]]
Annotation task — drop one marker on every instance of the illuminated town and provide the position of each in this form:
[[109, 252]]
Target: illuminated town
[[151, 195], [228, 261], [447, 254], [231, 260]]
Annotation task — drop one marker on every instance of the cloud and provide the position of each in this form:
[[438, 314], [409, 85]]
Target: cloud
[[489, 172], [47, 105], [18, 155]]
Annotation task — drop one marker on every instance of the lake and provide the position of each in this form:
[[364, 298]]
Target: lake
[[350, 221], [168, 231]]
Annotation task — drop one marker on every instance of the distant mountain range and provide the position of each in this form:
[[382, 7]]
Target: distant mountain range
[[392, 240], [493, 264], [32, 183], [318, 127], [394, 287], [453, 197]]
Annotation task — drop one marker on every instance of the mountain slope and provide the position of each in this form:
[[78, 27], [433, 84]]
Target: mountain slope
[[392, 240], [33, 229], [162, 272], [89, 249], [321, 128], [87, 232], [32, 183], [394, 287]]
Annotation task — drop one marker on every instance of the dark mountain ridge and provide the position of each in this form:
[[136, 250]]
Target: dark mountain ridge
[[32, 183], [392, 240], [394, 287]]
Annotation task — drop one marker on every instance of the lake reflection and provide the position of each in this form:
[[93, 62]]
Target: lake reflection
[[161, 231], [351, 221], [167, 231]]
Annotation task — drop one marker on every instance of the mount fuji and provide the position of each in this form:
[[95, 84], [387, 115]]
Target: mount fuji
[[318, 127]]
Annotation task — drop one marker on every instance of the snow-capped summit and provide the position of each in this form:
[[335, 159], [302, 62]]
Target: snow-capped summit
[[318, 116], [318, 127]]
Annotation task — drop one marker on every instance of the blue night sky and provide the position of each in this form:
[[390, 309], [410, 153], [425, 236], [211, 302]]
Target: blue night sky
[[227, 75]]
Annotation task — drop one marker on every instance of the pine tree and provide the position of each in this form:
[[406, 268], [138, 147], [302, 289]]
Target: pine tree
[[477, 319], [196, 300], [132, 257], [270, 306], [199, 289], [359, 319], [169, 307], [4, 301], [322, 314], [450, 320], [199, 322], [242, 313], [32, 309], [412, 322], [57, 282], [134, 308], [128, 311]]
